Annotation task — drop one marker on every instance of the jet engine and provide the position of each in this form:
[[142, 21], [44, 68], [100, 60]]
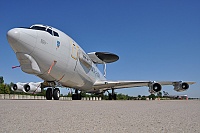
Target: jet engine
[[18, 87], [32, 87], [154, 87], [27, 87], [181, 86]]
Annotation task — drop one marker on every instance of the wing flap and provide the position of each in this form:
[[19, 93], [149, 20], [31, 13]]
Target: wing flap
[[106, 85]]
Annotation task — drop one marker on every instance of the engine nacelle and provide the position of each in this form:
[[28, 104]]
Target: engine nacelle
[[154, 87], [18, 87], [27, 87], [181, 86]]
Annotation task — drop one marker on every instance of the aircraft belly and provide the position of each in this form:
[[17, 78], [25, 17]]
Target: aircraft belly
[[78, 79], [83, 75]]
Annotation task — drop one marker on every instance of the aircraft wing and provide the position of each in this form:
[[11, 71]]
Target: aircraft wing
[[107, 85]]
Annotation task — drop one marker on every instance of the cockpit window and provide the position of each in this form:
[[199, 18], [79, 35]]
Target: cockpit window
[[50, 31], [55, 34], [38, 28]]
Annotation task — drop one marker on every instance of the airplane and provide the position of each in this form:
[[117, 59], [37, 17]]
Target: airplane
[[56, 58], [166, 95]]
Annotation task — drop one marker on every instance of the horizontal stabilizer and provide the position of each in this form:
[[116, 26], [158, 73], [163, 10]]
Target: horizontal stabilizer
[[103, 57]]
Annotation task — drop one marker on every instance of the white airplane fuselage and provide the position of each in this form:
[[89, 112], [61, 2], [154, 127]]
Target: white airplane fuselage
[[54, 57], [57, 59]]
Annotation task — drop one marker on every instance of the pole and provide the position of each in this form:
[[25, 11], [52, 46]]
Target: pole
[[104, 69], [4, 91]]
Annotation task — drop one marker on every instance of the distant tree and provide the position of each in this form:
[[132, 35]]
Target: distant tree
[[69, 94], [92, 95], [43, 93], [139, 97], [152, 96], [143, 97], [134, 98], [83, 94], [4, 89], [159, 94], [1, 80], [11, 84], [7, 89], [122, 97], [104, 97], [1, 88]]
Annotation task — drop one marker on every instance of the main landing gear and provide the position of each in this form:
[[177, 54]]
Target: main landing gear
[[112, 96], [55, 93], [76, 96]]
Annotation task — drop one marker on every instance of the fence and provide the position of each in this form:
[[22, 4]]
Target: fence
[[29, 97]]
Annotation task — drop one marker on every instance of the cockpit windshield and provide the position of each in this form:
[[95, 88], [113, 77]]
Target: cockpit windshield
[[38, 28], [48, 30]]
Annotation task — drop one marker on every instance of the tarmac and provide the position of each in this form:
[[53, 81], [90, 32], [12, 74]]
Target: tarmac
[[25, 116]]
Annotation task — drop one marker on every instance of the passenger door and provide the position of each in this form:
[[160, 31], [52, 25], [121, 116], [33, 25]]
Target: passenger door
[[74, 53]]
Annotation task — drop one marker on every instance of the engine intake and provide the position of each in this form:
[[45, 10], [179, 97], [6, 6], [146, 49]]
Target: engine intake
[[27, 88], [14, 88], [181, 86], [154, 87]]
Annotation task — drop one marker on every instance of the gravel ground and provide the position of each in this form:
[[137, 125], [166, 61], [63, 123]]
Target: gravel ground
[[100, 116]]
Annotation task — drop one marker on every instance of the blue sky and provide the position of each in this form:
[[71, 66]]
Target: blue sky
[[155, 39]]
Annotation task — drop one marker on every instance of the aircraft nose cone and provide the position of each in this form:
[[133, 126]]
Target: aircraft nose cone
[[13, 36]]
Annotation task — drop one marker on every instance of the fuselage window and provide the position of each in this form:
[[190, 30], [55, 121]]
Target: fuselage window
[[55, 34], [49, 31]]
